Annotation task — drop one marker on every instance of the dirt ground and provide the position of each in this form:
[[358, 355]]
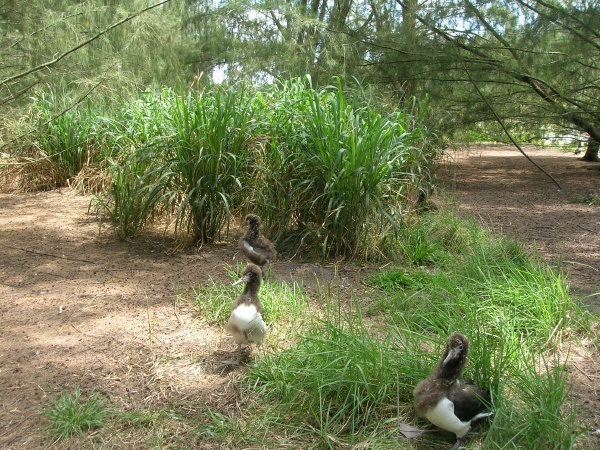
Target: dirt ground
[[79, 309], [503, 189]]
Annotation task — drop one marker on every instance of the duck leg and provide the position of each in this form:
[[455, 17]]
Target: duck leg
[[456, 444], [477, 417], [235, 362]]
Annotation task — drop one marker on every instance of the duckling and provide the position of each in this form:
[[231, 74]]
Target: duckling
[[445, 399], [246, 323], [256, 247]]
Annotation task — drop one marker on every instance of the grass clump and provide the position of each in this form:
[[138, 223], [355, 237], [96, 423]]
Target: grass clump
[[71, 414], [328, 169], [185, 163], [200, 174], [344, 382], [337, 171], [63, 133], [534, 410], [590, 199]]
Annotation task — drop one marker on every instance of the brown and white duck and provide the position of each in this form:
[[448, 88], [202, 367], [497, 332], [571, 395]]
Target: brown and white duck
[[445, 399], [246, 323], [255, 246]]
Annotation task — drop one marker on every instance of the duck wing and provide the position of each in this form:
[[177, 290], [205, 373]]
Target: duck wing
[[266, 247], [443, 416], [252, 253], [258, 330], [469, 399]]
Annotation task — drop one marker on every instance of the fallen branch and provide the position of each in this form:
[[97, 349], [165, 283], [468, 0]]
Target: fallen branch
[[47, 254]]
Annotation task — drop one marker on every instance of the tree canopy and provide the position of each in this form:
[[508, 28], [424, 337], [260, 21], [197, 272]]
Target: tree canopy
[[531, 65]]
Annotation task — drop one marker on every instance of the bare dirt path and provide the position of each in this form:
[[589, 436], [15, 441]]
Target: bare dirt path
[[499, 186], [79, 309]]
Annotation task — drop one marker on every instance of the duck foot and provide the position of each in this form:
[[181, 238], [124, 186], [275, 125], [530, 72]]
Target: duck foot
[[456, 444], [410, 432], [235, 362], [231, 362], [481, 416]]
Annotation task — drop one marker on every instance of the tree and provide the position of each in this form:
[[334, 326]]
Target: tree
[[536, 60], [264, 39], [69, 47]]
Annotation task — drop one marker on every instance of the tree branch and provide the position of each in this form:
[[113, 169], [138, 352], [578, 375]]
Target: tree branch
[[49, 64], [501, 122], [63, 112]]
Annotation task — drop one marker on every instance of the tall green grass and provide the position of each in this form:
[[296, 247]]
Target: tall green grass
[[348, 375], [208, 151], [128, 202], [353, 165], [134, 138], [336, 171], [329, 169], [63, 136], [183, 159]]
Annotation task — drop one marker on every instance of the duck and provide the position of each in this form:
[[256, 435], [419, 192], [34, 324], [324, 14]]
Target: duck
[[246, 324], [257, 248], [448, 401]]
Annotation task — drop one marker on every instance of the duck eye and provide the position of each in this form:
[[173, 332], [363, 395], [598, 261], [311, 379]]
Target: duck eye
[[460, 347]]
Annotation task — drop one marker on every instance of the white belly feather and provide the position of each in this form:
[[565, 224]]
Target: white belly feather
[[442, 415], [246, 324]]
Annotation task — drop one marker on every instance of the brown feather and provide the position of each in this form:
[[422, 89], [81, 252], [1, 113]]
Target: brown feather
[[446, 381], [252, 276], [254, 246]]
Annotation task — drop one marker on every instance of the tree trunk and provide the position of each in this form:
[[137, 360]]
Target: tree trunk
[[409, 38], [591, 153]]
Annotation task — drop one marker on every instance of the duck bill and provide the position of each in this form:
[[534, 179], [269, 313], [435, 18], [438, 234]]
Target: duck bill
[[453, 354], [244, 279]]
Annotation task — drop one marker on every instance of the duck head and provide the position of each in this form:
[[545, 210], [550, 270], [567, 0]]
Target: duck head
[[455, 355], [253, 221], [251, 275]]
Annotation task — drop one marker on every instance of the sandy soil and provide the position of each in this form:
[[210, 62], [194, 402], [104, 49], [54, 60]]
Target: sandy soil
[[79, 309], [510, 195]]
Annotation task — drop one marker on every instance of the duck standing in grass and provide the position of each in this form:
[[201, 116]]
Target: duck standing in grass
[[255, 246], [245, 323], [445, 399]]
